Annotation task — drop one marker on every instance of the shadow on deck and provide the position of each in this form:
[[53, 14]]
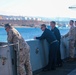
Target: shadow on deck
[[69, 68]]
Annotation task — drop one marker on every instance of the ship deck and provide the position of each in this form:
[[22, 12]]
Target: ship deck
[[68, 68]]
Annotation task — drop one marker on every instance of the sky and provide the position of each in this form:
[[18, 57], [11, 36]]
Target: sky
[[41, 8]]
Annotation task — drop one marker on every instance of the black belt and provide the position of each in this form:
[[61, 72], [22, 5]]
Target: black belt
[[54, 41]]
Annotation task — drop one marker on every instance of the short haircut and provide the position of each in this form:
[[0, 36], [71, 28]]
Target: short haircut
[[53, 22], [72, 21], [8, 25], [43, 25]]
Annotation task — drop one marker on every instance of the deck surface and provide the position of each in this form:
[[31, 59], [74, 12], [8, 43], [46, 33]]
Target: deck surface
[[69, 68]]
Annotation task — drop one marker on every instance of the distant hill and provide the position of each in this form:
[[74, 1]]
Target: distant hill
[[35, 18], [31, 21]]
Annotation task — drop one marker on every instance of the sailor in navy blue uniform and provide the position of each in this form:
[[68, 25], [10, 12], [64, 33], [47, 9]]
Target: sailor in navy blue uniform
[[53, 46], [56, 32]]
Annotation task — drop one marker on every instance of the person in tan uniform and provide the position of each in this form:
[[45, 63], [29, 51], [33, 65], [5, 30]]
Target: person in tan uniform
[[75, 23], [75, 36], [23, 53], [71, 35]]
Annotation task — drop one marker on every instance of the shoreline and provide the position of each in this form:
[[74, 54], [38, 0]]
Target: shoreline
[[20, 27]]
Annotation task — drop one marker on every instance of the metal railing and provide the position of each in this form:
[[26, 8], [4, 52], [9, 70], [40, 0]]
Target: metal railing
[[9, 45]]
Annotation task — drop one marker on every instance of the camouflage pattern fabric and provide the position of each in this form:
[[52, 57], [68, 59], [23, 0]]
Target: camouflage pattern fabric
[[23, 54], [71, 34], [71, 48]]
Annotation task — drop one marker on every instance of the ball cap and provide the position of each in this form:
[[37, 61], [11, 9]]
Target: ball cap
[[7, 25]]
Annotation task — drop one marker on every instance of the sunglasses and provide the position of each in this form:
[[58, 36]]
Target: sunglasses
[[42, 27]]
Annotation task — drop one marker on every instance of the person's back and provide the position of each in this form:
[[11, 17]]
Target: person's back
[[17, 38]]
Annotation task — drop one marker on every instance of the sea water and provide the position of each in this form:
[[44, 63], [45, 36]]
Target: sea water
[[27, 33]]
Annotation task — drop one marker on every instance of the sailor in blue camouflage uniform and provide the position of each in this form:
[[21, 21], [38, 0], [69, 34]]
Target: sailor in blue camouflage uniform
[[23, 53], [53, 46]]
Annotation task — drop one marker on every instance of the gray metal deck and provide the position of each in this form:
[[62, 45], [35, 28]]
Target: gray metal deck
[[69, 68]]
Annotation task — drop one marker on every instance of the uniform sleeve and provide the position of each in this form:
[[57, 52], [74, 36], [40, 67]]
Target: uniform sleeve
[[66, 35], [10, 36], [41, 37]]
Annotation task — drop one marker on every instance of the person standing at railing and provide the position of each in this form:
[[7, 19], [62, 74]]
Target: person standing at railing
[[75, 23], [71, 35], [23, 54], [75, 36], [53, 46], [56, 32]]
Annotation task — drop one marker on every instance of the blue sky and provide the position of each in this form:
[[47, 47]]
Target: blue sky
[[43, 8]]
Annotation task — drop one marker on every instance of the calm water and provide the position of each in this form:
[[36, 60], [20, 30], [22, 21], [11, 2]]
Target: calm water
[[27, 33]]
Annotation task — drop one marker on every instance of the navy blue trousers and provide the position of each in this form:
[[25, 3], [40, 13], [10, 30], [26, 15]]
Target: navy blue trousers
[[59, 61], [53, 55]]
